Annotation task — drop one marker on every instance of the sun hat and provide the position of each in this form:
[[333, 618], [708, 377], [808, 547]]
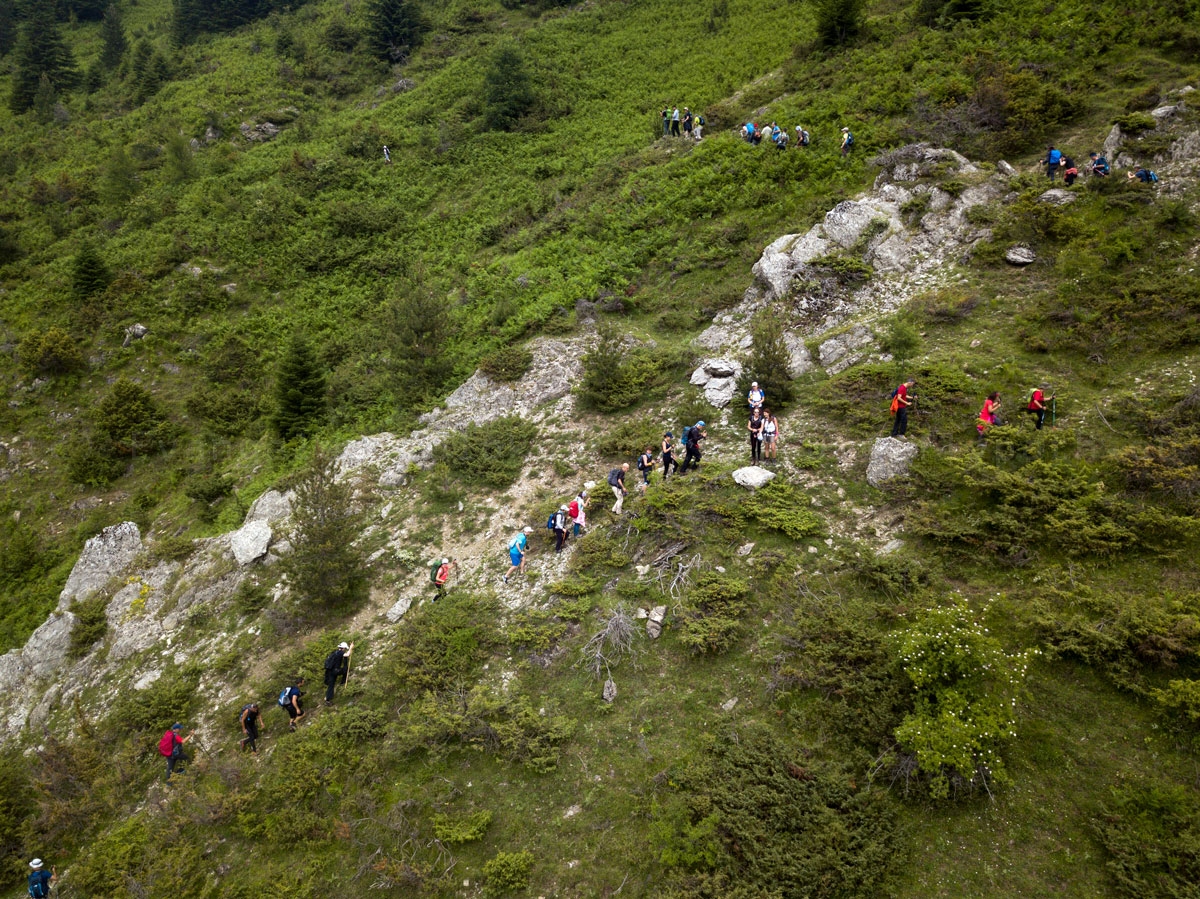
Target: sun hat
[[528, 530], [343, 645], [35, 864]]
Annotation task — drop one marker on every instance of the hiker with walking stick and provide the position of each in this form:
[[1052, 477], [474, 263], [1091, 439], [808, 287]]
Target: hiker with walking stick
[[337, 665], [1037, 405]]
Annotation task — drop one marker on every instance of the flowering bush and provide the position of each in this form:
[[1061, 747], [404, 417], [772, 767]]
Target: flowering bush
[[966, 688]]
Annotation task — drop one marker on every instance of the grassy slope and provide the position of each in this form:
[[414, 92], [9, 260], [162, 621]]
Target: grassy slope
[[581, 203]]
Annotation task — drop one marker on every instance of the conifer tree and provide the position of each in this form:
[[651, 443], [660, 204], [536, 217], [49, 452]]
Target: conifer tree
[[838, 20], [768, 364], [507, 89], [420, 330], [395, 27], [299, 391], [179, 165], [43, 99], [40, 50], [8, 25], [112, 33], [130, 423], [89, 275], [119, 182]]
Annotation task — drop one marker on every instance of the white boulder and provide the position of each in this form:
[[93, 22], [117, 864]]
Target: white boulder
[[890, 458], [104, 557], [250, 542], [753, 477]]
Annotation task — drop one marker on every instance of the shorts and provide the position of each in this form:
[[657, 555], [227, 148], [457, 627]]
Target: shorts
[[514, 557], [769, 439], [292, 713]]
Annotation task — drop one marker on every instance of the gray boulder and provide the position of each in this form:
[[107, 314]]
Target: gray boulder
[[271, 507], [1112, 143], [1020, 255], [799, 359], [610, 690], [250, 542], [890, 459], [753, 477], [654, 622], [1056, 196], [104, 557], [46, 649], [1005, 169], [839, 353], [718, 378], [134, 332]]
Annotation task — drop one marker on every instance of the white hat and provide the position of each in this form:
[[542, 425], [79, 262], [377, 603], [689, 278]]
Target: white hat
[[562, 508], [445, 561], [754, 384], [343, 645], [528, 530], [35, 864], [845, 129]]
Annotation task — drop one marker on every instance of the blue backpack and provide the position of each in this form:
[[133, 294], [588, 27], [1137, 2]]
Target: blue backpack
[[37, 885], [550, 521], [285, 697], [1055, 156], [684, 435]]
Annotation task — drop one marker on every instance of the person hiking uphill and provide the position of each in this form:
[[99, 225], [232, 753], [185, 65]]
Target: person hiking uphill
[[755, 427], [170, 747], [337, 665], [1037, 406], [517, 547], [1053, 159], [559, 520], [668, 454], [847, 142], [41, 880], [902, 398], [616, 480], [289, 701], [577, 512], [249, 724], [645, 465], [691, 440], [989, 415], [439, 575]]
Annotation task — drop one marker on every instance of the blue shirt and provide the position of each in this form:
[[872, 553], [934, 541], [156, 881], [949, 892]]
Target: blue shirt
[[519, 542], [39, 883]]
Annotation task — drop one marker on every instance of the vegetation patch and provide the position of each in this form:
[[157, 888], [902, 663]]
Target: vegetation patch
[[489, 455]]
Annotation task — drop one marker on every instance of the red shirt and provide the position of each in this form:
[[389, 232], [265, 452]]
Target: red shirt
[[1037, 401], [902, 394]]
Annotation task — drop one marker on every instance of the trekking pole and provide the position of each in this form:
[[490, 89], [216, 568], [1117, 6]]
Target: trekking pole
[[1053, 411], [349, 656]]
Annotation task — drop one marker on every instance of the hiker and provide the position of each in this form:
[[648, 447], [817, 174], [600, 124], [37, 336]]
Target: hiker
[[1053, 159], [666, 120], [170, 747], [440, 575], [337, 665], [755, 427], [1144, 175], [755, 397], [559, 520], [289, 700], [674, 121], [616, 480], [691, 440], [668, 454], [802, 138], [645, 464], [779, 137], [1037, 405], [901, 400], [517, 548], [40, 880], [770, 434], [698, 126], [249, 723], [988, 415], [687, 122], [576, 511], [847, 141], [387, 156], [1070, 172], [1098, 165]]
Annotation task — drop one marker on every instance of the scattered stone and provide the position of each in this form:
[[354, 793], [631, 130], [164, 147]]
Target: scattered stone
[[890, 458], [641, 613], [729, 705], [1020, 255], [753, 477], [976, 343], [610, 690], [1057, 196], [250, 542], [1005, 169], [745, 549], [263, 131], [104, 557], [890, 547], [654, 623], [575, 809], [134, 332], [396, 612]]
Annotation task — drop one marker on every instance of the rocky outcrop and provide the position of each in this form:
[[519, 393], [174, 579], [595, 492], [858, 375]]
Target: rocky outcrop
[[890, 458], [840, 352], [753, 477], [105, 556], [250, 541], [1020, 255], [1057, 196], [272, 507], [718, 378]]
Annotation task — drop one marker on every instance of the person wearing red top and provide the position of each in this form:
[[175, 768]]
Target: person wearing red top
[[903, 401], [989, 414], [1037, 406]]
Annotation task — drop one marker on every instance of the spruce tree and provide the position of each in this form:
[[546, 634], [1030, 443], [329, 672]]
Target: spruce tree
[[768, 363], [420, 331], [112, 32], [8, 25], [395, 27], [507, 89], [43, 100], [299, 391], [119, 181], [40, 50], [89, 275], [838, 20]]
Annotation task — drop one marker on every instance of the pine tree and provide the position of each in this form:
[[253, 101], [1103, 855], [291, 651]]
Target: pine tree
[[507, 89], [420, 331], [768, 363], [40, 50], [395, 27], [8, 25], [112, 32], [838, 20], [180, 164], [43, 99], [130, 423], [299, 391], [119, 182], [89, 275]]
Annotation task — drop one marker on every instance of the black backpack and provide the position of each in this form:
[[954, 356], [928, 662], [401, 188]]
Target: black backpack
[[332, 662], [614, 477]]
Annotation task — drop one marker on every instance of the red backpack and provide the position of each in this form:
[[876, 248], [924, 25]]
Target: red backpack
[[167, 744], [573, 509]]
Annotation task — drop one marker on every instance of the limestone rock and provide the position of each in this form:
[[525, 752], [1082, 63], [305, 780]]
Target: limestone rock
[[1057, 196], [799, 359], [839, 353], [396, 612], [718, 378], [263, 131], [271, 507], [104, 556], [1019, 255], [654, 623], [250, 542], [890, 458], [610, 690], [1112, 143], [134, 332], [753, 477], [890, 547], [1005, 169], [729, 705], [46, 649], [846, 223], [1164, 112]]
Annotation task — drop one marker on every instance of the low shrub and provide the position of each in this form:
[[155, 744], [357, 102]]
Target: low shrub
[[50, 352], [710, 621], [507, 871], [1152, 836], [489, 455], [91, 624], [171, 698], [782, 507], [465, 829], [442, 645], [507, 363], [616, 377]]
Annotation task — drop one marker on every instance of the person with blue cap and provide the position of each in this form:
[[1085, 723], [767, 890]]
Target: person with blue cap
[[692, 438]]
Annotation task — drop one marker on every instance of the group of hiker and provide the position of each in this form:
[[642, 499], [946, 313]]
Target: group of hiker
[[337, 670], [754, 133], [567, 521], [1039, 404], [675, 124], [1057, 161]]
